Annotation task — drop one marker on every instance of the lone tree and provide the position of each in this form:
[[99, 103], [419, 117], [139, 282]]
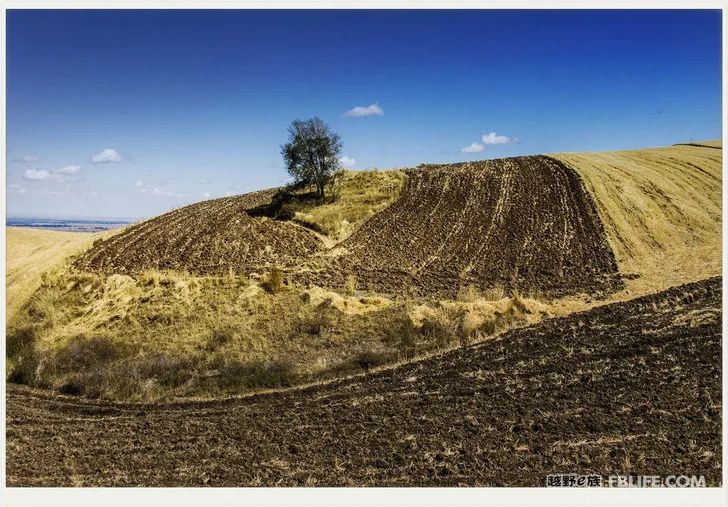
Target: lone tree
[[312, 153]]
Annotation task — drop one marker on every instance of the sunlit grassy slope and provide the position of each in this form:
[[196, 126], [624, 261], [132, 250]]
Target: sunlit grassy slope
[[29, 253], [661, 208], [166, 334], [359, 195]]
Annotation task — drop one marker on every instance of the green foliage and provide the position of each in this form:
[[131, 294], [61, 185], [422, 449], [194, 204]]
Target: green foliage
[[312, 153]]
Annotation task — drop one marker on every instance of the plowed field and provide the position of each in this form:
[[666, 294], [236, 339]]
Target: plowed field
[[631, 387], [523, 222], [557, 225], [210, 237]]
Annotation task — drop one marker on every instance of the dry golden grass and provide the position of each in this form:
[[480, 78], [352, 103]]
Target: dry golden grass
[[31, 252], [167, 334], [661, 208], [358, 196]]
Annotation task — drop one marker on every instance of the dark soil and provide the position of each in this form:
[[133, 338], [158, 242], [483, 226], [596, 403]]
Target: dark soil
[[522, 222], [211, 237], [630, 387]]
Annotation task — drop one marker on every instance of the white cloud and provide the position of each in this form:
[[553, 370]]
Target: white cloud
[[473, 148], [56, 192], [17, 188], [206, 195], [151, 189], [347, 161], [27, 159], [106, 156], [35, 174], [494, 138], [68, 170], [361, 111]]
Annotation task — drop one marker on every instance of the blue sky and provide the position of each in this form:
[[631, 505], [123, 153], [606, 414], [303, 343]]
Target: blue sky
[[131, 113]]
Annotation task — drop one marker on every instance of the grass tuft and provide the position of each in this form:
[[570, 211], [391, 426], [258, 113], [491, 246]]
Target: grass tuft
[[273, 283]]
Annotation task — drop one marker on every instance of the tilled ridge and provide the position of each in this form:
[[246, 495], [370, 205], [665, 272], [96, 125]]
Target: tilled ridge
[[211, 237], [629, 388], [522, 222]]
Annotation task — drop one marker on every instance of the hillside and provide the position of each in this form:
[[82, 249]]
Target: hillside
[[519, 223], [213, 236], [653, 215], [661, 210], [565, 393], [452, 226], [271, 289], [30, 253]]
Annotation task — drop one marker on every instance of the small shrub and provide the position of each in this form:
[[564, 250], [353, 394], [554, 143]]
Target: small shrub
[[404, 336], [52, 277], [478, 328], [150, 277], [162, 368], [351, 285], [256, 374], [315, 321], [71, 387], [92, 384], [20, 341], [494, 294], [45, 306], [468, 294], [334, 186], [274, 281], [220, 337], [438, 331], [87, 353], [518, 302], [21, 350], [372, 358]]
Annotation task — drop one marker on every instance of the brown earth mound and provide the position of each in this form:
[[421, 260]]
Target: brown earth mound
[[522, 222], [210, 237], [631, 387]]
